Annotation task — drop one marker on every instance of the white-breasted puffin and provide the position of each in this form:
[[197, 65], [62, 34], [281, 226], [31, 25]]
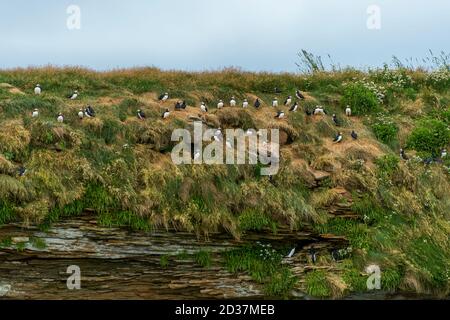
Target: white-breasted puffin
[[37, 89]]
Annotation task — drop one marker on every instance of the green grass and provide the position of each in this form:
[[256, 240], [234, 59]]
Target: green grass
[[317, 284], [164, 261], [203, 258]]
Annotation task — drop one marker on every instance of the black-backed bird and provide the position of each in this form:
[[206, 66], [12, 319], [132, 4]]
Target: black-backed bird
[[279, 115], [288, 101], [89, 111], [294, 107], [335, 120], [220, 104], [163, 97], [74, 95], [354, 135], [165, 114], [257, 104], [141, 114], [81, 114], [338, 138], [60, 118], [299, 95], [403, 155], [35, 113]]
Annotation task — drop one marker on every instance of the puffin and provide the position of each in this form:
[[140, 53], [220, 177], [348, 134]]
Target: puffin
[[294, 107], [183, 104], [22, 171], [279, 115], [60, 118], [141, 114], [348, 111], [178, 105], [232, 102], [163, 97], [335, 120], [338, 138], [313, 255], [443, 153], [74, 95], [203, 107], [403, 155], [89, 111], [291, 253], [165, 114], [245, 103], [308, 112], [354, 135], [288, 101], [277, 90], [319, 110], [35, 113], [37, 89], [80, 114], [299, 95], [275, 102], [257, 103], [220, 104]]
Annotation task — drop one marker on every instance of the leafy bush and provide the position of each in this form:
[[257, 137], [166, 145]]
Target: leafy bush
[[385, 129], [429, 136], [253, 220], [360, 99], [317, 284], [387, 164]]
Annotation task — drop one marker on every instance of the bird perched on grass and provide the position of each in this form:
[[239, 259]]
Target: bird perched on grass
[[403, 155], [443, 153], [35, 113], [308, 112], [203, 107], [163, 97], [299, 95], [319, 110], [183, 104], [141, 114], [232, 102], [335, 120], [22, 171], [294, 107], [178, 105], [74, 95], [313, 255], [60, 118], [89, 112], [220, 104], [80, 114], [348, 111], [257, 104], [245, 103], [338, 138], [288, 101], [279, 115], [165, 114], [354, 135], [37, 89], [275, 102]]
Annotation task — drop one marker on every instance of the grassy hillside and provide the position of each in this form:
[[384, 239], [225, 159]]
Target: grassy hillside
[[394, 213]]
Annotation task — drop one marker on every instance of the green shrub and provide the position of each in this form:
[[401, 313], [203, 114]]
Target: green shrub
[[429, 136], [253, 220], [281, 283], [203, 258], [387, 164], [361, 99], [6, 212], [317, 284], [385, 129]]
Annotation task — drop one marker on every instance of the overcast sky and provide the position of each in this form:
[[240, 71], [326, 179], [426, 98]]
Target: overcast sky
[[212, 34]]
